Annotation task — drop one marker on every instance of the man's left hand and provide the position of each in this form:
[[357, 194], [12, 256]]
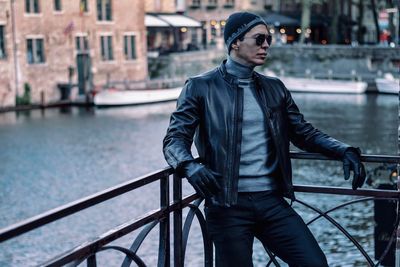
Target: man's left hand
[[352, 162]]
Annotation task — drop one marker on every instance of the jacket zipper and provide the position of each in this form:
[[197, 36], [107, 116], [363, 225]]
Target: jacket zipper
[[234, 146], [269, 116]]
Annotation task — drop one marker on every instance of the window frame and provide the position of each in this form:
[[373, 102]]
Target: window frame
[[129, 47], [82, 40], [85, 6], [106, 48], [37, 55], [32, 7], [104, 10], [57, 4], [3, 48]]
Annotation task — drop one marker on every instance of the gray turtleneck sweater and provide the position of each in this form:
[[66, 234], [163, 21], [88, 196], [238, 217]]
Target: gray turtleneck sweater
[[257, 158]]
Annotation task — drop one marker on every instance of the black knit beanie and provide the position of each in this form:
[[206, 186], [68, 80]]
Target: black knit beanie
[[238, 24]]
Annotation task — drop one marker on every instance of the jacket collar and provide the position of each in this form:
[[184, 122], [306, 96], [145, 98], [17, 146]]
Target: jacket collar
[[227, 77], [231, 79]]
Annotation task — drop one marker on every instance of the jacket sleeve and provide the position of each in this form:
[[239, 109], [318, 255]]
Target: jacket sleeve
[[183, 123], [303, 135]]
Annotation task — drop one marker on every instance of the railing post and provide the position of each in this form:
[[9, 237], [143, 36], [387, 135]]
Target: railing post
[[397, 254], [164, 246], [91, 261], [177, 195]]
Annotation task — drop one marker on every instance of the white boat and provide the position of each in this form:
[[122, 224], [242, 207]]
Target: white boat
[[388, 84], [321, 85], [324, 86], [113, 97]]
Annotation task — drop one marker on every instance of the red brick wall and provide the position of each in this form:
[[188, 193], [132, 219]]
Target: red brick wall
[[59, 44], [7, 94]]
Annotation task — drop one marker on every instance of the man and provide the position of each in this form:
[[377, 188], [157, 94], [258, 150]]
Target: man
[[243, 123]]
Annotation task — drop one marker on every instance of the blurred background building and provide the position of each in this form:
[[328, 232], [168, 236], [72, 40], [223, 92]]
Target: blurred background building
[[47, 44], [318, 21], [168, 29]]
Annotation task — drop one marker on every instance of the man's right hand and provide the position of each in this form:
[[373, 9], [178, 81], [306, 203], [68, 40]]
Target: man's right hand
[[202, 180]]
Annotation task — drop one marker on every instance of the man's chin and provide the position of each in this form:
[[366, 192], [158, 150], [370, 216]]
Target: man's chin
[[259, 62]]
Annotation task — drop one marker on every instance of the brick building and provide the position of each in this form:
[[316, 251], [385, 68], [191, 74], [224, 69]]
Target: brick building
[[213, 13], [160, 6], [43, 41], [168, 29]]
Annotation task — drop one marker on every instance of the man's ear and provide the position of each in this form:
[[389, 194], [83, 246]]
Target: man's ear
[[235, 46]]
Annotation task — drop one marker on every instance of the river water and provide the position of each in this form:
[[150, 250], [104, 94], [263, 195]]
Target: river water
[[52, 157]]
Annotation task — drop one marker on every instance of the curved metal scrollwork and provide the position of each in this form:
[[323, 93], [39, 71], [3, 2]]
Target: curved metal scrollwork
[[362, 200], [340, 227], [91, 260], [138, 241], [340, 206], [322, 214], [208, 249]]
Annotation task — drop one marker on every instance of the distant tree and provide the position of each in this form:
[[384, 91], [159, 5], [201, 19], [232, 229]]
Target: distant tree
[[392, 26], [333, 33], [306, 16], [375, 14], [361, 27]]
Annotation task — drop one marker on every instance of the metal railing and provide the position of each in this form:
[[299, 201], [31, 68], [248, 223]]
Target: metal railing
[[161, 217]]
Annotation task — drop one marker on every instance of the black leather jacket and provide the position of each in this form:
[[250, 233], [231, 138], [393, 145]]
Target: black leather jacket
[[210, 108]]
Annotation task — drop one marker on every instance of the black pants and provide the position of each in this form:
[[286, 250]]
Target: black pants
[[269, 218]]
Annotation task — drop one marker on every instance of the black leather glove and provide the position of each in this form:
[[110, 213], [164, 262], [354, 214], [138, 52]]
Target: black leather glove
[[202, 180], [352, 162]]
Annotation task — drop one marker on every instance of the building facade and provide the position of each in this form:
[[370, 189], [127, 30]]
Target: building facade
[[346, 19], [85, 42], [161, 6], [169, 28], [212, 14], [7, 89]]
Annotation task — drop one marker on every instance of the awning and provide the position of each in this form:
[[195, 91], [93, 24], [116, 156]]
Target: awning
[[176, 20], [277, 19], [170, 20], [153, 21]]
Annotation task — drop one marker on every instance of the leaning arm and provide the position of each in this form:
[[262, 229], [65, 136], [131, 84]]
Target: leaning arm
[[303, 134], [183, 123]]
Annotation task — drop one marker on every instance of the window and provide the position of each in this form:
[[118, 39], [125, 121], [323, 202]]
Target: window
[[82, 44], [106, 48], [130, 47], [32, 6], [213, 31], [222, 29], [57, 5], [231, 2], [35, 50], [2, 42], [195, 2], [83, 6], [194, 38], [212, 4], [104, 11]]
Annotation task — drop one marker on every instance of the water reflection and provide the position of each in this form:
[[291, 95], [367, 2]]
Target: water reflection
[[55, 156]]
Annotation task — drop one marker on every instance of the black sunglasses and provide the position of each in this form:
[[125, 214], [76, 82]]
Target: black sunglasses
[[260, 39]]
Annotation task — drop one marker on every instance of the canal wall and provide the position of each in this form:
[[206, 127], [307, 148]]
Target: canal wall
[[320, 61]]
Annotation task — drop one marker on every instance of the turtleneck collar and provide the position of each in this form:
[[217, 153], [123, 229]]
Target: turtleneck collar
[[239, 70]]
